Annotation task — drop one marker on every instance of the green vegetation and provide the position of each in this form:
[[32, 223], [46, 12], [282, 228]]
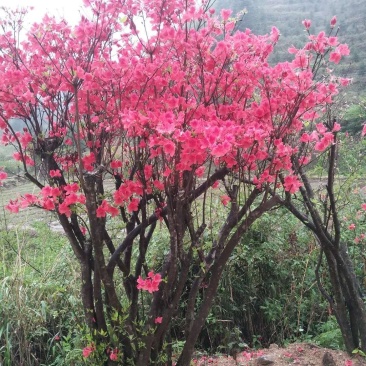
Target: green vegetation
[[7, 161], [355, 117], [268, 293], [287, 16], [39, 298]]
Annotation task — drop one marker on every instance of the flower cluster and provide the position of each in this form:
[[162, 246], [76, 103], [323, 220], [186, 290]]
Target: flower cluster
[[87, 351], [113, 354], [151, 283]]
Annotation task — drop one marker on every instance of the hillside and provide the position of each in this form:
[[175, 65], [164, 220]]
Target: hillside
[[287, 16]]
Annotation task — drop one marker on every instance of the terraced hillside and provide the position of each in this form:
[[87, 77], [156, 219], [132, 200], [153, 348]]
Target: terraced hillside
[[287, 15]]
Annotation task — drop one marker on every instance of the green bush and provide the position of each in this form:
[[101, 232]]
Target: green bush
[[268, 292]]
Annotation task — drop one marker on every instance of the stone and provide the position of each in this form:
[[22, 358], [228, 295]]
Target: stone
[[264, 360], [328, 360]]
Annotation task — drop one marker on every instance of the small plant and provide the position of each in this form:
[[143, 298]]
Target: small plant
[[359, 352], [330, 335]]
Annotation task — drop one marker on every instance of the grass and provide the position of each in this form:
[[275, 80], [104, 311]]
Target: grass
[[6, 160], [25, 217], [39, 296]]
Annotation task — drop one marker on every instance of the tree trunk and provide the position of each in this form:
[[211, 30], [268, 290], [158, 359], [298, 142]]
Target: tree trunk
[[215, 276], [346, 301]]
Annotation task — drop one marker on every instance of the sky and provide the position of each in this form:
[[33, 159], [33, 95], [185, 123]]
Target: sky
[[67, 8]]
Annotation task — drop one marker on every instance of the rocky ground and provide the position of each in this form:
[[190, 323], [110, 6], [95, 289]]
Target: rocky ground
[[301, 354]]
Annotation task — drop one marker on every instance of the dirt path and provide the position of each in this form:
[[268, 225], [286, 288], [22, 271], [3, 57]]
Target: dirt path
[[301, 354]]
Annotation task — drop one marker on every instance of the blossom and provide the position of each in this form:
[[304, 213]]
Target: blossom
[[200, 172], [336, 127], [150, 284], [333, 21], [343, 49], [28, 200], [225, 14], [88, 162], [275, 34], [133, 205], [158, 320], [345, 81], [13, 206], [48, 204], [115, 164], [292, 184], [363, 133], [3, 176], [25, 139], [306, 23], [105, 208], [225, 199], [55, 173], [74, 187], [64, 209], [158, 185], [87, 351], [114, 354], [305, 138], [352, 227], [169, 147], [335, 57]]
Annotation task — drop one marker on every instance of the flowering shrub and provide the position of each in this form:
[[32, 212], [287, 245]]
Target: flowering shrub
[[168, 114]]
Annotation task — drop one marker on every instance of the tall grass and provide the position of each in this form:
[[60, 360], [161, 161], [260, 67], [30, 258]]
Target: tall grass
[[39, 299]]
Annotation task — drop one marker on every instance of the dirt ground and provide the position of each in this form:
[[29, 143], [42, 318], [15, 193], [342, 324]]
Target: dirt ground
[[302, 354]]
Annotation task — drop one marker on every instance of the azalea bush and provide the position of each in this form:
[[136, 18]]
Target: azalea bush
[[154, 113]]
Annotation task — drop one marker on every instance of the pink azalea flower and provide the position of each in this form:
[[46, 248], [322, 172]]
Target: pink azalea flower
[[306, 23], [133, 205], [335, 57], [87, 351], [225, 199], [363, 133], [333, 21], [150, 284], [55, 173], [114, 355], [115, 164], [225, 14], [292, 184], [13, 206], [64, 209], [3, 176]]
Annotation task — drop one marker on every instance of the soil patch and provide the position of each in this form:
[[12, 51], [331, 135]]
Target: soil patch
[[302, 354]]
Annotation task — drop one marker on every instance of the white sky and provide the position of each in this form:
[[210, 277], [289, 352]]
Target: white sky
[[66, 8]]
